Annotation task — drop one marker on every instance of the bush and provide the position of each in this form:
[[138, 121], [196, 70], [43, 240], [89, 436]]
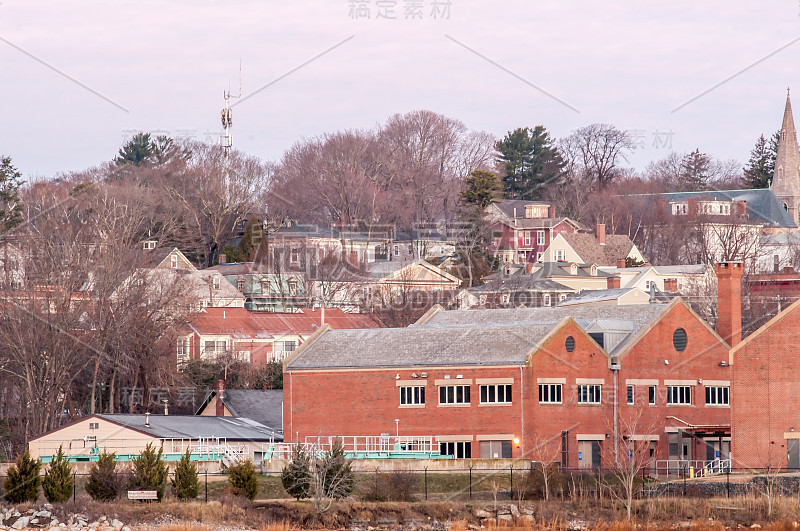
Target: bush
[[150, 471], [104, 484], [337, 475], [243, 478], [185, 483], [23, 481], [58, 481], [296, 475], [397, 485]]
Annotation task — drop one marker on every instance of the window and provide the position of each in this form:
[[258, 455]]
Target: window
[[589, 394], [454, 394], [295, 256], [550, 393], [717, 396], [496, 449], [679, 394], [240, 285], [412, 396], [540, 237], [94, 425], [213, 348], [504, 298], [496, 394], [527, 238], [243, 355], [560, 255], [679, 339], [149, 245], [539, 257], [562, 297], [183, 350], [458, 449], [630, 391], [651, 395], [215, 282], [173, 261], [293, 287], [546, 299], [283, 349], [397, 250]]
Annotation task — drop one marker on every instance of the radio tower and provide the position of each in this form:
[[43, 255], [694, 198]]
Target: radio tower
[[227, 122]]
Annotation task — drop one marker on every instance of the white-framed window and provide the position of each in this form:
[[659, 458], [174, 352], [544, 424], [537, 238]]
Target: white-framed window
[[651, 395], [679, 394], [562, 297], [546, 299], [496, 394], [240, 285], [183, 350], [292, 287], [560, 255], [589, 394], [295, 254], [283, 349], [213, 348], [412, 395], [550, 393], [243, 355], [173, 261], [527, 238], [215, 282], [539, 237], [396, 250], [454, 394], [717, 396], [505, 298], [630, 394]]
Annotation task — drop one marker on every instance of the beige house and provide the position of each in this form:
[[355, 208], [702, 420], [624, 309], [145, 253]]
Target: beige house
[[608, 297], [598, 248], [222, 439]]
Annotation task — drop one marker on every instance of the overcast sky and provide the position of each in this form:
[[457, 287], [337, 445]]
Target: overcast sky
[[79, 77]]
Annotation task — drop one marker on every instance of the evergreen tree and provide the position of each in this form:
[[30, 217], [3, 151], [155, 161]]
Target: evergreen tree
[[103, 484], [150, 471], [232, 254], [22, 480], [58, 481], [695, 171], [530, 161], [138, 151], [251, 240], [296, 475], [482, 189], [337, 474], [185, 483], [10, 207], [761, 166], [243, 479]]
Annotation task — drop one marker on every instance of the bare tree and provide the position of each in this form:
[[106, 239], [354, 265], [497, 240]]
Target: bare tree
[[545, 450], [596, 151]]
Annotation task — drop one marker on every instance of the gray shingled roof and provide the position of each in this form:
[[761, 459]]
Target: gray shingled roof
[[640, 314], [192, 427], [421, 346], [265, 407], [521, 283], [617, 247]]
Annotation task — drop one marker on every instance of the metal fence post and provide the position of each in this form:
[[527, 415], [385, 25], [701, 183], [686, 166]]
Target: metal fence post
[[511, 491], [470, 482], [426, 483], [206, 485], [74, 484]]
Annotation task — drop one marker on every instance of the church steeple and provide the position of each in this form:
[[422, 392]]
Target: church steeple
[[787, 163]]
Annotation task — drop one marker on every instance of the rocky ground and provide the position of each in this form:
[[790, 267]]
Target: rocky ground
[[44, 517]]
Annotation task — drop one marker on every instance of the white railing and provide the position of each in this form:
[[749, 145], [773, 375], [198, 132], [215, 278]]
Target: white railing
[[376, 444], [692, 467]]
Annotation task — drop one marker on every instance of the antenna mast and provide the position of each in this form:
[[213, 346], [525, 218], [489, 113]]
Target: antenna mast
[[227, 122]]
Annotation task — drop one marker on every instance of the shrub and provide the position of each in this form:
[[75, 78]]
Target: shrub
[[185, 483], [243, 478], [104, 483], [337, 474], [397, 485], [296, 475], [150, 471], [23, 481], [58, 481]]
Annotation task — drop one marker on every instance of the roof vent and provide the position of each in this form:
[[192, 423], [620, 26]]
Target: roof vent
[[147, 420]]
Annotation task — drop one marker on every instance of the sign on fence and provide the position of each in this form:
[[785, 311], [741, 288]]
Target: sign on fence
[[142, 495]]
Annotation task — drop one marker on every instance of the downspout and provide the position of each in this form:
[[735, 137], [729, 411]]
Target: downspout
[[614, 369], [291, 405], [522, 413]]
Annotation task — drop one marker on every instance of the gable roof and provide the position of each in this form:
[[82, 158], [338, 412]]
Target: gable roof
[[159, 257], [600, 295], [765, 327], [263, 406], [617, 247]]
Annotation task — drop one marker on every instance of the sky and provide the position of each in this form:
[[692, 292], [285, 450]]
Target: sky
[[81, 77]]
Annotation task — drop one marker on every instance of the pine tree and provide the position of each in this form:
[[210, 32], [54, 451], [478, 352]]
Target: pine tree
[[695, 171], [482, 189], [185, 483], [103, 484], [59, 481], [138, 151], [296, 475], [22, 480], [150, 471], [761, 166], [243, 479], [531, 162], [251, 240], [338, 478], [10, 205]]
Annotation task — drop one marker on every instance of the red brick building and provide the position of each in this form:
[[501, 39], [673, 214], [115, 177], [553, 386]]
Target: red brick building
[[520, 382]]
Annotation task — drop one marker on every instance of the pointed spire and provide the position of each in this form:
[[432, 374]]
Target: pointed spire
[[787, 163]]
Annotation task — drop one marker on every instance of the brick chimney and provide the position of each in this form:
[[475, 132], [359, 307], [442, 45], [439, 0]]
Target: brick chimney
[[621, 263], [613, 282], [223, 258], [529, 268], [600, 233], [729, 296], [220, 412], [671, 285]]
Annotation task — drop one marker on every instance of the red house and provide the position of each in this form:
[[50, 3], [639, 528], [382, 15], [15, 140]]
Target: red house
[[519, 382]]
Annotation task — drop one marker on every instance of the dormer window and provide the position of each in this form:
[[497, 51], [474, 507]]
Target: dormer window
[[215, 283], [292, 287], [594, 270], [240, 285], [149, 245], [573, 269]]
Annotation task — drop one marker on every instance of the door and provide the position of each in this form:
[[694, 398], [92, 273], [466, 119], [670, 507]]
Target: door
[[794, 453], [711, 450], [589, 454], [653, 453]]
